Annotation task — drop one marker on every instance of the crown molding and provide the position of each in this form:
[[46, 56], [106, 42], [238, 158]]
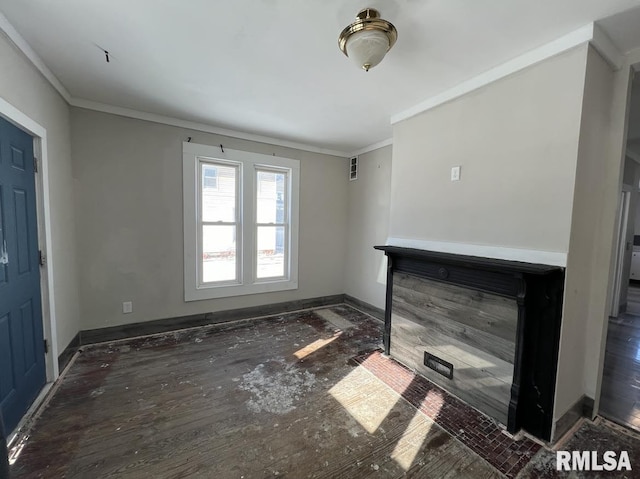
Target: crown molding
[[606, 48], [192, 125], [22, 45], [374, 146], [632, 58], [588, 33]]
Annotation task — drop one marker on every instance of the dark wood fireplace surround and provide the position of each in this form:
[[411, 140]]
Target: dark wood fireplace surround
[[538, 291]]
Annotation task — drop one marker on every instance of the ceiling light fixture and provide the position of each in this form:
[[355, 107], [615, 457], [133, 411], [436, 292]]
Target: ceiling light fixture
[[367, 40]]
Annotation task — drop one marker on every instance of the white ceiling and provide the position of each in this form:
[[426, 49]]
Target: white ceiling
[[273, 67]]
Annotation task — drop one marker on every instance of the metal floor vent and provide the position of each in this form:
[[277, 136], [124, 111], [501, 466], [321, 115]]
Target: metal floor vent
[[438, 365]]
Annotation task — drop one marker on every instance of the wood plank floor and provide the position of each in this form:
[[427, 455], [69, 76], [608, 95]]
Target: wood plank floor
[[620, 397], [633, 299], [273, 397]]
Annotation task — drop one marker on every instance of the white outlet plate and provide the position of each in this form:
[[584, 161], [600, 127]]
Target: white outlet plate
[[127, 307], [455, 173]]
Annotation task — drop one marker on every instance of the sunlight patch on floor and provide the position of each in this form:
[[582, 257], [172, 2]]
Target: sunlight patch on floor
[[314, 346], [16, 449], [411, 441], [359, 384], [334, 319], [466, 356]]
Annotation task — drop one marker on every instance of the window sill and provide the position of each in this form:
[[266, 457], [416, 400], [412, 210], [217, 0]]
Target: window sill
[[213, 292]]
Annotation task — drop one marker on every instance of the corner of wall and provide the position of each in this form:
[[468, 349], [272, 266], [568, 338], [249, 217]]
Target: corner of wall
[[589, 255], [368, 225]]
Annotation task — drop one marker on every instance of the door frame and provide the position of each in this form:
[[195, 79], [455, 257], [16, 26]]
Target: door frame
[[623, 225], [620, 116], [43, 213]]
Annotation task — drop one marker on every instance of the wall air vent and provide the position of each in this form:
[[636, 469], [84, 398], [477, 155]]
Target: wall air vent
[[353, 168]]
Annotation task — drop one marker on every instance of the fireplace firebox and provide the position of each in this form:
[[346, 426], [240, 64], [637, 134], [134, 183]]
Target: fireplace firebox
[[486, 330]]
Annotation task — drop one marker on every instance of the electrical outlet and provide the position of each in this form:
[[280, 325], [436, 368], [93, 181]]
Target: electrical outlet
[[127, 307], [455, 173]]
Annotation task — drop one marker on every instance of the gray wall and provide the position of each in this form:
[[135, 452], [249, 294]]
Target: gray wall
[[26, 89], [368, 199], [128, 193], [532, 148], [516, 140], [584, 301]]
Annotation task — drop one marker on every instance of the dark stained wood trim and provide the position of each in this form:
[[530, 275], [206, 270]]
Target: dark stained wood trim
[[92, 336], [538, 290], [514, 411], [386, 337], [124, 331], [365, 307], [69, 351], [587, 407], [542, 321], [4, 454], [486, 264], [570, 417]]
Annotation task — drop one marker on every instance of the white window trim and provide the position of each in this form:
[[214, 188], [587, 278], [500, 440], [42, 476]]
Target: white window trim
[[286, 224], [191, 152], [239, 233]]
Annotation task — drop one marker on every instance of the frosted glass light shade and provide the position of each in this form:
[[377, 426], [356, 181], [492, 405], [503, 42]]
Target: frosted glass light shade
[[368, 39], [367, 48]]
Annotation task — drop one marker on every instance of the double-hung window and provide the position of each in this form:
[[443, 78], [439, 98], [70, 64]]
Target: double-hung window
[[240, 222]]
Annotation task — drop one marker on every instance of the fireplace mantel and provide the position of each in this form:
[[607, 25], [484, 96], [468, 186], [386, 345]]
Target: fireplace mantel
[[537, 290]]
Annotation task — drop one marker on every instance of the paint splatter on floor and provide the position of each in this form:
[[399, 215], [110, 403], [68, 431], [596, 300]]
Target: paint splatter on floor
[[276, 387], [295, 395]]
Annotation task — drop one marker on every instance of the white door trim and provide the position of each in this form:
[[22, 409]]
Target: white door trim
[[623, 224], [620, 115], [39, 133]]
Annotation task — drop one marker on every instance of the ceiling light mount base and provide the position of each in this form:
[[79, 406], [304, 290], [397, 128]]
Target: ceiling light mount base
[[368, 13]]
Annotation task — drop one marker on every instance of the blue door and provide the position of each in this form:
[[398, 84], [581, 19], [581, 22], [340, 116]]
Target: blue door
[[22, 370]]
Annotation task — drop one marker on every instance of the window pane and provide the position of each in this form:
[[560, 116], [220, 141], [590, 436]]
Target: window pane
[[210, 177], [271, 197], [218, 253], [218, 192], [271, 251]]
